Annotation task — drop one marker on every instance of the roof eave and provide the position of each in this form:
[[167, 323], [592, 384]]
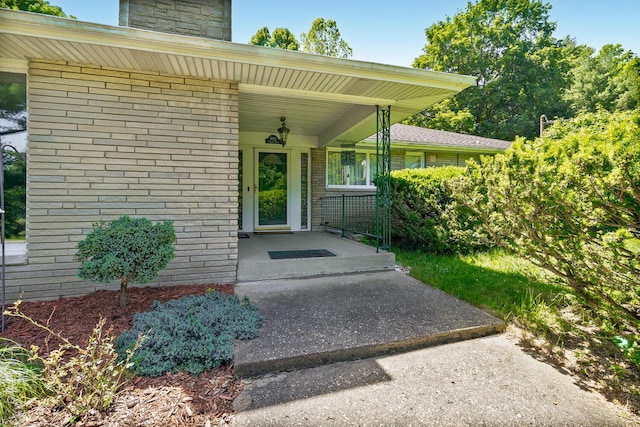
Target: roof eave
[[45, 26]]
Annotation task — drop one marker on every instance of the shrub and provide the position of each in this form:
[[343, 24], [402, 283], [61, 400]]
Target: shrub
[[77, 379], [423, 211], [192, 334], [19, 380], [131, 250], [570, 203]]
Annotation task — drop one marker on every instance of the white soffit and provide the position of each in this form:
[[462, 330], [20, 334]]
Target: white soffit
[[331, 99]]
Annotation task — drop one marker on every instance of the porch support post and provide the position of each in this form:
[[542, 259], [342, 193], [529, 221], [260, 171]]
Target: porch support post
[[383, 180]]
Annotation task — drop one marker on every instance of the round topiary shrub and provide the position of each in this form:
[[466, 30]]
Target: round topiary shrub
[[132, 250]]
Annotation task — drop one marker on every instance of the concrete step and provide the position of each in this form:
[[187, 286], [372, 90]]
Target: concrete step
[[316, 321], [254, 262], [268, 269]]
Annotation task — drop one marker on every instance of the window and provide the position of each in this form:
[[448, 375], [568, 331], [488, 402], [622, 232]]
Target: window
[[413, 160], [350, 168]]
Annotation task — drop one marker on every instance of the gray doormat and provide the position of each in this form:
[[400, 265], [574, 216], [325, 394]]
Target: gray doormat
[[306, 253]]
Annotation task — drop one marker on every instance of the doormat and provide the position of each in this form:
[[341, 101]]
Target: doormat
[[306, 253], [243, 235]]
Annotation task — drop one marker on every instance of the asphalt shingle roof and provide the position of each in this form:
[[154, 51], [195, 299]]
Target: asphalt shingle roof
[[422, 136]]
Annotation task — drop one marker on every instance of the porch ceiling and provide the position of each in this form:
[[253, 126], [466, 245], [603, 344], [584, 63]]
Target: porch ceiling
[[330, 99]]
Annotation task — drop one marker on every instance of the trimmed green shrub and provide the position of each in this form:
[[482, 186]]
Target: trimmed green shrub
[[132, 250], [192, 334], [569, 202], [423, 211]]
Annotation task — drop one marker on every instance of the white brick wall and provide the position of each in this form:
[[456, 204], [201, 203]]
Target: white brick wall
[[105, 143]]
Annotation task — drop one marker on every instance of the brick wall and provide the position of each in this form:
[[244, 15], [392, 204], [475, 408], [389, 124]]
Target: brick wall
[[105, 143], [199, 18]]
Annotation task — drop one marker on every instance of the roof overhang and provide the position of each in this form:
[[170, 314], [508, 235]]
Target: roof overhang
[[331, 100]]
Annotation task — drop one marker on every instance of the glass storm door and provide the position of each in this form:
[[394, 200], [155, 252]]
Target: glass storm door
[[272, 190]]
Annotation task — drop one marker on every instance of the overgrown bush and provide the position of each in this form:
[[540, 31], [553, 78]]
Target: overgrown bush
[[192, 334], [569, 202], [132, 250], [423, 211], [80, 379], [20, 381]]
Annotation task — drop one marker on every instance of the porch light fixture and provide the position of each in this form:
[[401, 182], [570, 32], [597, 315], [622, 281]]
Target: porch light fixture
[[283, 131]]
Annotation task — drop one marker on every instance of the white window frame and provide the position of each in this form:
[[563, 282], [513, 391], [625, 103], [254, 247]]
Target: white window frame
[[370, 160]]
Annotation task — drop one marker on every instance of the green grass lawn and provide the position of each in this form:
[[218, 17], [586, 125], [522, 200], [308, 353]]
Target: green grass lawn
[[494, 280]]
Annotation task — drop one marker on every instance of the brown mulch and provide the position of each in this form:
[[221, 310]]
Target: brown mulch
[[174, 399]]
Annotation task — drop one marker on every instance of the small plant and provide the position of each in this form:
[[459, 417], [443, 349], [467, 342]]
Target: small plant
[[130, 250], [541, 312], [20, 380], [80, 379], [630, 347], [192, 334]]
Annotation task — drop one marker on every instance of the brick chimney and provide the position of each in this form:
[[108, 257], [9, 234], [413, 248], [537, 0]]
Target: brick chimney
[[200, 18]]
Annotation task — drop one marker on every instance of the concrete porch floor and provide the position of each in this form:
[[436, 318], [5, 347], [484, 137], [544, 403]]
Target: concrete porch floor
[[254, 263]]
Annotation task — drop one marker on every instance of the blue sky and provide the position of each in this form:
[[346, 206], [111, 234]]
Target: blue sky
[[392, 32]]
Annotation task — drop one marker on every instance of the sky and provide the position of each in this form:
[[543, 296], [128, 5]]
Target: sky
[[392, 32]]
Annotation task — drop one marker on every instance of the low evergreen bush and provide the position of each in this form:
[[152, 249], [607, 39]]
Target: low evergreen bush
[[192, 334]]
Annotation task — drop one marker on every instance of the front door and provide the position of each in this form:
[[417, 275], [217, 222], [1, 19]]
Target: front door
[[272, 198]]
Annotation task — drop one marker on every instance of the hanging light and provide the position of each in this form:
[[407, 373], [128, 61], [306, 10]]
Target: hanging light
[[283, 131]]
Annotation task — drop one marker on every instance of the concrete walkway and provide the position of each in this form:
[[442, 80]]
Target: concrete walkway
[[315, 321], [481, 382], [360, 350]]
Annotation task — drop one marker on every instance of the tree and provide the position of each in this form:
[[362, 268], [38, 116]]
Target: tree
[[35, 6], [130, 250], [281, 38], [520, 68], [608, 80], [629, 81], [262, 37], [444, 116], [324, 38]]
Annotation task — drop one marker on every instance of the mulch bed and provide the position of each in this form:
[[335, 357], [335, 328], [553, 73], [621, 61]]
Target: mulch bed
[[187, 400]]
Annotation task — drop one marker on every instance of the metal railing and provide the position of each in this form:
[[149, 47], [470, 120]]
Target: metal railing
[[350, 214]]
